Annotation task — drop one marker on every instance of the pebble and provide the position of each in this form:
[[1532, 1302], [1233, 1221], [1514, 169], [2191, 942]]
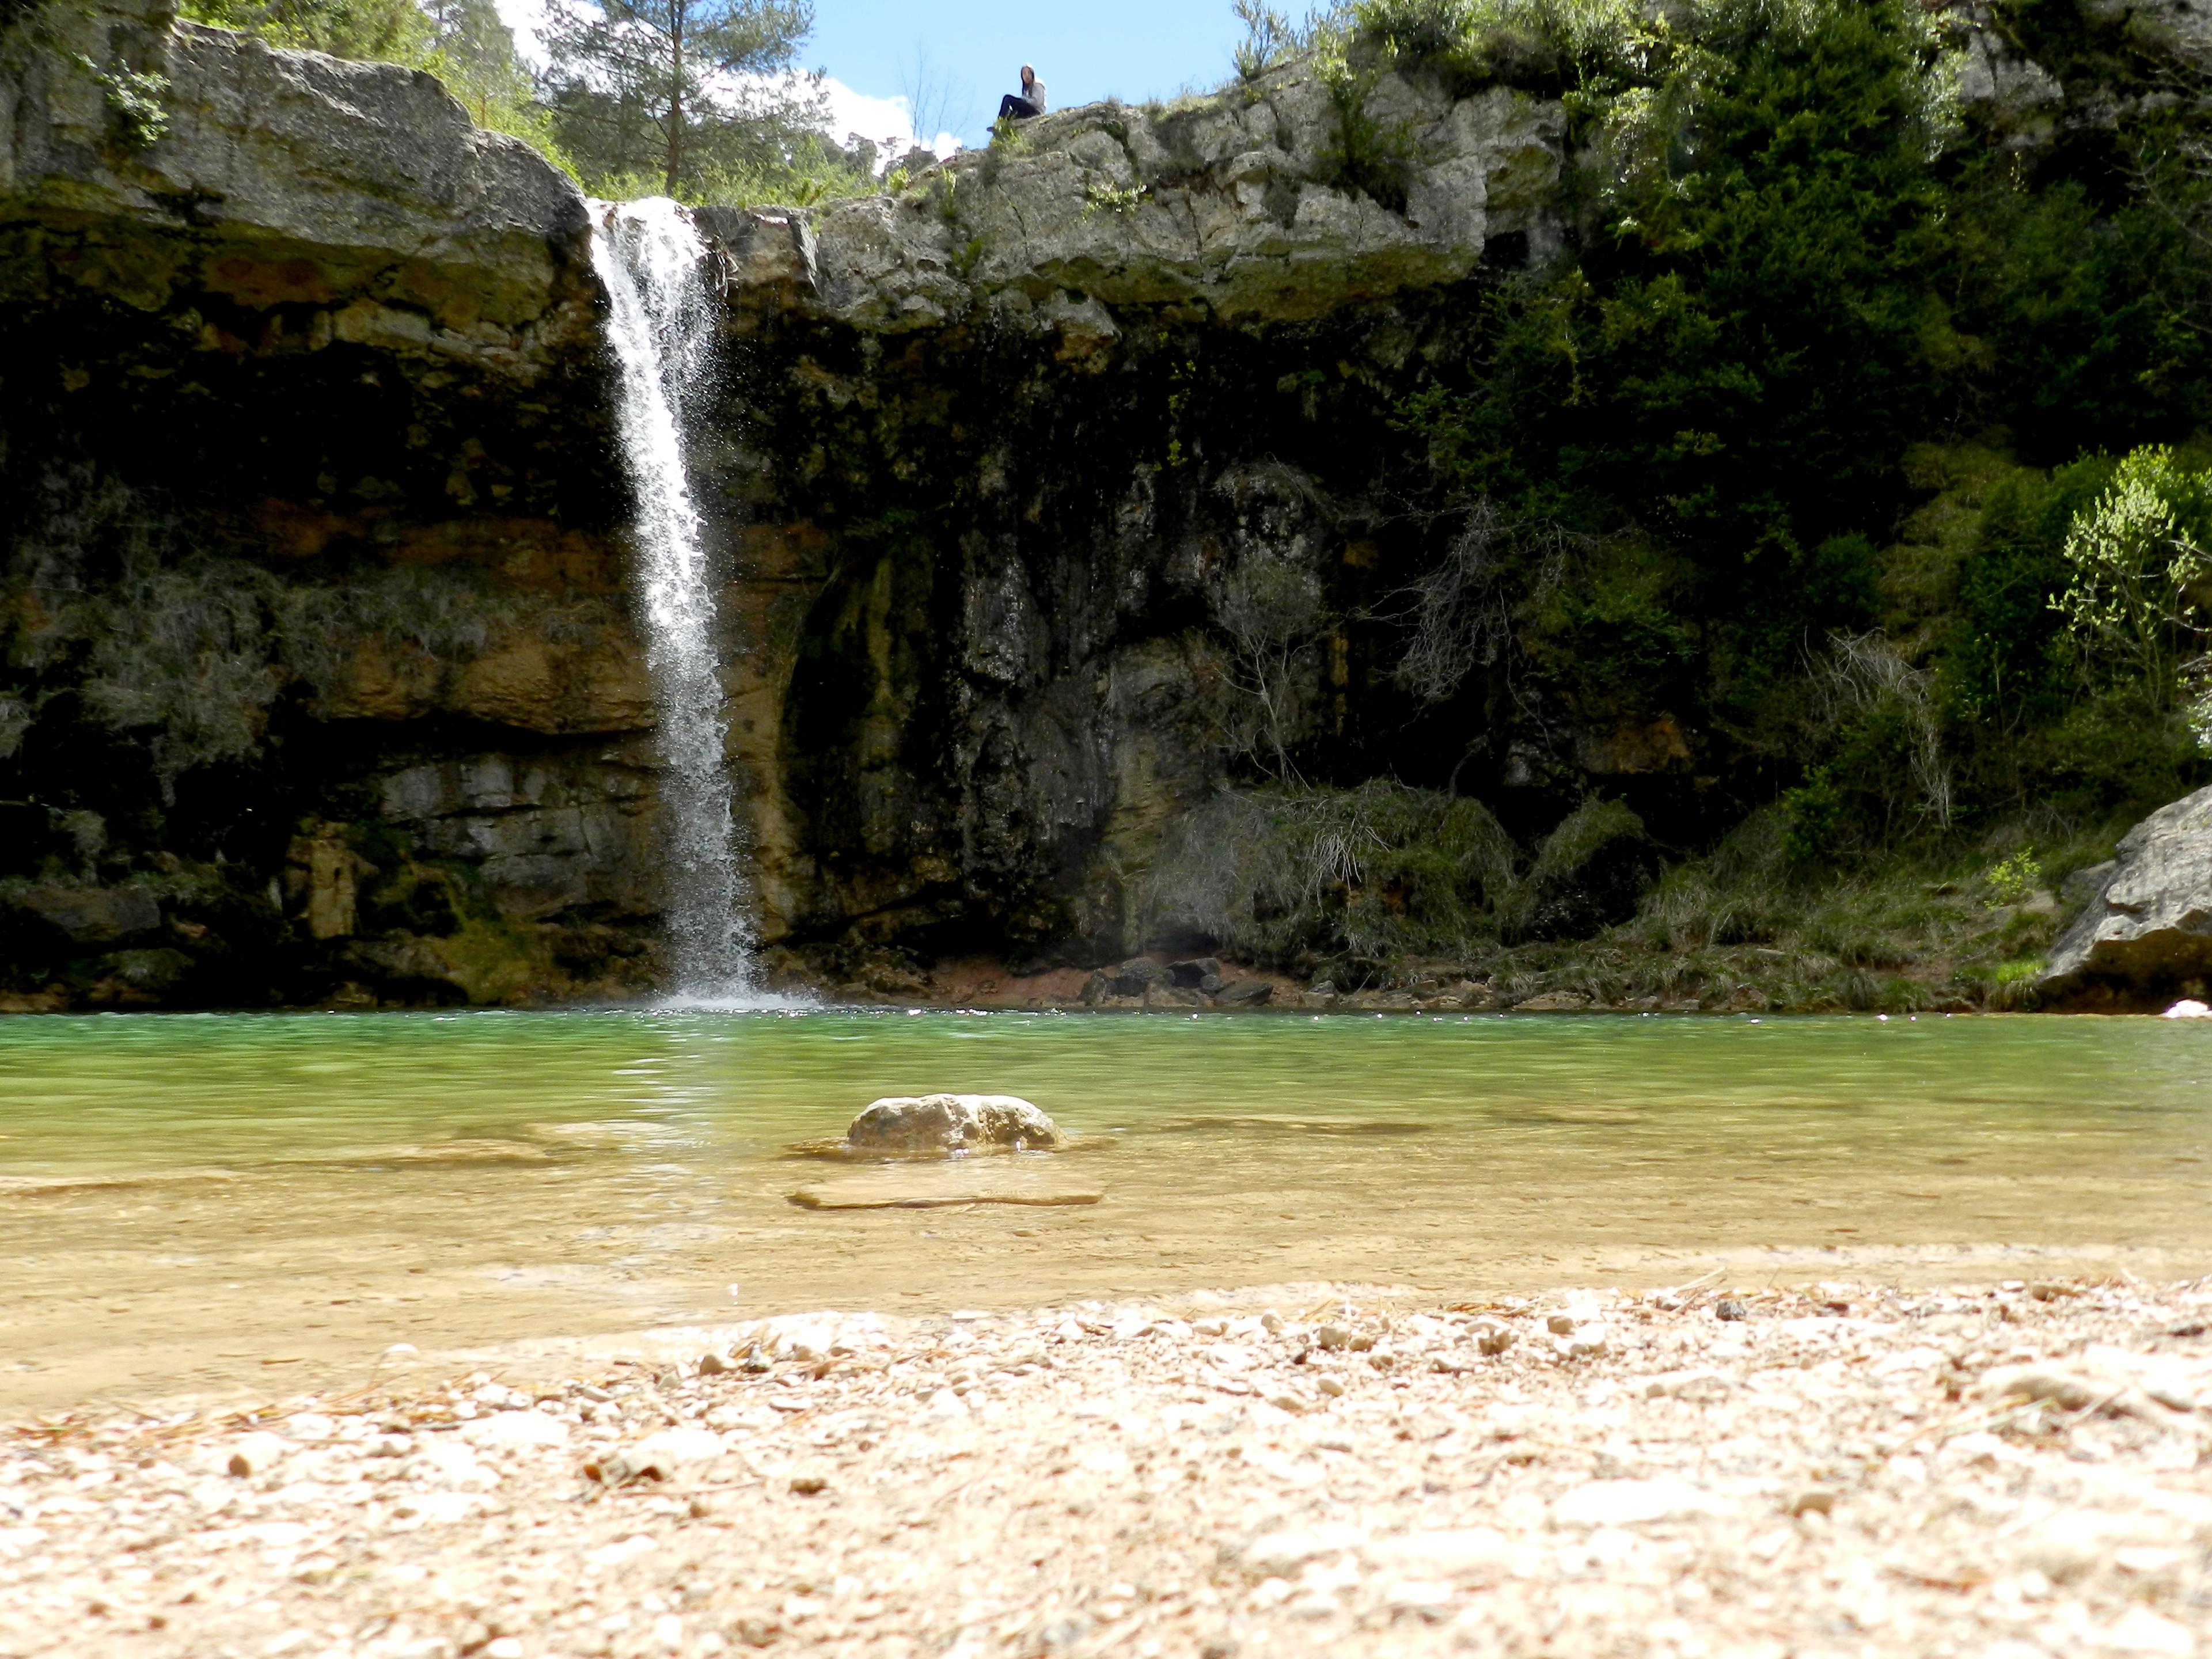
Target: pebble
[[513, 1431], [256, 1453], [666, 1452], [1186, 1478], [1635, 1503]]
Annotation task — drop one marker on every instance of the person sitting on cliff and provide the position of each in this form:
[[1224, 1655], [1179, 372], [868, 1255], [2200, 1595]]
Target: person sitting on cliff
[[1031, 102]]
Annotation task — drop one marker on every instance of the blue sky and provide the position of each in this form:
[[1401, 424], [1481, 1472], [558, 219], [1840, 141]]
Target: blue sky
[[963, 54], [1132, 49]]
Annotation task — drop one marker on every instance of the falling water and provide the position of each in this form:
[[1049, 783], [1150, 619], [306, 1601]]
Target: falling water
[[661, 324]]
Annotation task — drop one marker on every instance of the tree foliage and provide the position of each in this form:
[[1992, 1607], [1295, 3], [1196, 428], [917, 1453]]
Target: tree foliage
[[677, 90], [696, 99], [462, 42], [2138, 599]]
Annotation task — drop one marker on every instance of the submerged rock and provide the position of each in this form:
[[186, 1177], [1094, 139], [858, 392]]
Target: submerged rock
[[945, 1185], [952, 1123], [2145, 930]]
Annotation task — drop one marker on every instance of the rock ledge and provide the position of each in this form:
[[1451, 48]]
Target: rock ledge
[[2146, 933]]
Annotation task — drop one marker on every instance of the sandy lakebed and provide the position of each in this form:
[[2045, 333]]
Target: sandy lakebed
[[2001, 1471]]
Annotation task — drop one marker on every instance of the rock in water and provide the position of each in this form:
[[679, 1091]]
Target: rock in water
[[952, 1123], [2145, 931], [946, 1185]]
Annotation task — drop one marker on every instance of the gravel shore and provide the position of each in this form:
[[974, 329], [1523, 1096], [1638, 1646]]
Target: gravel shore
[[2002, 1473]]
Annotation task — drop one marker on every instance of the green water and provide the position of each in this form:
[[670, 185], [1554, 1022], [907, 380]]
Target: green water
[[142, 1092], [325, 1183]]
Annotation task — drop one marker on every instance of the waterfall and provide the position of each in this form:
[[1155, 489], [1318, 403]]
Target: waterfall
[[661, 324]]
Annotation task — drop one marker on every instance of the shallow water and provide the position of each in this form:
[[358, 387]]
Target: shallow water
[[211, 1203]]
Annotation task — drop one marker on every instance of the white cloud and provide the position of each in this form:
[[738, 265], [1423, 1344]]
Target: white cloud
[[526, 18], [888, 121]]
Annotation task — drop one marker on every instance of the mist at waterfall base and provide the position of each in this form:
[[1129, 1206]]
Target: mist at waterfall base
[[661, 327]]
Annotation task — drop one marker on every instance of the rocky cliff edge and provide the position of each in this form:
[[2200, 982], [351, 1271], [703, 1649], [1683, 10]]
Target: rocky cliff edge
[[1233, 203], [158, 163]]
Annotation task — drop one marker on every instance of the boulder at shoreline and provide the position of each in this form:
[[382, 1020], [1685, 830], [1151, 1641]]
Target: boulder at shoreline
[[2145, 934]]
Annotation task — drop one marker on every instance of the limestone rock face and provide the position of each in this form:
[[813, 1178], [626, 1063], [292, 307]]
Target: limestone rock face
[[93, 915], [949, 1124], [1227, 203], [2179, 30], [2146, 931], [301, 385], [285, 178]]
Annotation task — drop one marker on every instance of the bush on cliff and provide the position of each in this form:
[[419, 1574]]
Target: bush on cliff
[[1294, 875], [463, 42], [1788, 443]]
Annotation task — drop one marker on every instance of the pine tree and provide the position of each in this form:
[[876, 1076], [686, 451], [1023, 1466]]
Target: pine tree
[[678, 88]]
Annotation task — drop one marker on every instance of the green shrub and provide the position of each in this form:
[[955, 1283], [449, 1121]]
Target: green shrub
[[2014, 878], [2139, 561], [1290, 874], [1813, 821]]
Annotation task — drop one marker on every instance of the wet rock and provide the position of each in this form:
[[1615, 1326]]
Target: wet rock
[[1245, 994], [1553, 1002], [952, 1185], [93, 915], [1140, 975], [140, 975], [2146, 926], [950, 1123]]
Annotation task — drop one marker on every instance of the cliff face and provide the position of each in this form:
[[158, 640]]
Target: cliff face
[[320, 673], [321, 682], [1001, 437]]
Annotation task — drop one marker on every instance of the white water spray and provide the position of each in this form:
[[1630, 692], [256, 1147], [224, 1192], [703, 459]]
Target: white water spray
[[661, 325]]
